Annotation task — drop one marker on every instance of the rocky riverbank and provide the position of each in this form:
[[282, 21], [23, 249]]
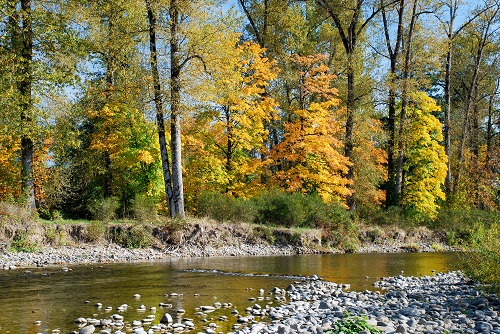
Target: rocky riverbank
[[444, 303], [107, 253], [90, 243]]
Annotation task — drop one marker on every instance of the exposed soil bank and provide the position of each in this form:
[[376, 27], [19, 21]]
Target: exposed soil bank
[[48, 243]]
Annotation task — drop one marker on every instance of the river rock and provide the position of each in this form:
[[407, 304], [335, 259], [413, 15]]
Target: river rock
[[166, 319], [87, 329]]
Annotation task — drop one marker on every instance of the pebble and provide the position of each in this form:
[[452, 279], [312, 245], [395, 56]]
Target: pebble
[[431, 304]]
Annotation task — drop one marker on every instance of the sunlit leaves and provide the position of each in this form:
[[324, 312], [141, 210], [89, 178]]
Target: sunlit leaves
[[308, 160], [425, 165], [228, 134]]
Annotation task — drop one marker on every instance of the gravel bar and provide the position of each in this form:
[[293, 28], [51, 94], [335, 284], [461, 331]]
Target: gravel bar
[[443, 303]]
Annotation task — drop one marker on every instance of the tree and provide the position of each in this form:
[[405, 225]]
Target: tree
[[351, 25], [425, 163], [158, 99], [448, 25], [486, 29], [308, 159], [229, 132], [34, 47]]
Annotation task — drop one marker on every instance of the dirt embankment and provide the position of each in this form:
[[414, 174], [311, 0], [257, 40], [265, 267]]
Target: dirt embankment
[[38, 243]]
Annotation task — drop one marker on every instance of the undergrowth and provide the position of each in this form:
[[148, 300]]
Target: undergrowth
[[352, 325]]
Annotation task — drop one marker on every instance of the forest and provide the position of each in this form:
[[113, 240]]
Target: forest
[[365, 104]]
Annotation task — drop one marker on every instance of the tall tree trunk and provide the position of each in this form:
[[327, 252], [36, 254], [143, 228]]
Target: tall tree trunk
[[158, 98], [451, 34], [489, 125], [391, 196], [175, 105], [349, 126], [469, 104], [404, 105], [24, 87], [447, 119], [349, 34]]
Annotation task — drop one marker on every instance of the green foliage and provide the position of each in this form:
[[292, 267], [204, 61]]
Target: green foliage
[[458, 224], [23, 242], [224, 208], [136, 236], [54, 234], [266, 233], [296, 210], [482, 258], [95, 231], [352, 325], [105, 209], [144, 208]]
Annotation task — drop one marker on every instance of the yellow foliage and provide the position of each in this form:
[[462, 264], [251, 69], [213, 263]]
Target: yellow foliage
[[10, 184], [308, 160], [425, 165], [225, 143]]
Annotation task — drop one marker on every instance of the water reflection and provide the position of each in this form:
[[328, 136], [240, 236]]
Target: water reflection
[[57, 298]]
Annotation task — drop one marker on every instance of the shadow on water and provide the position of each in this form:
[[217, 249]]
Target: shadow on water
[[56, 298]]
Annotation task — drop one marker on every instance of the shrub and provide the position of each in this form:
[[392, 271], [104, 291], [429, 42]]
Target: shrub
[[95, 231], [105, 209], [295, 210], [351, 325], [54, 234], [23, 241], [136, 236], [224, 208], [459, 224], [482, 258], [144, 208]]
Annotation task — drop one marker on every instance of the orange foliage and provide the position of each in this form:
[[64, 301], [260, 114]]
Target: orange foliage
[[308, 160]]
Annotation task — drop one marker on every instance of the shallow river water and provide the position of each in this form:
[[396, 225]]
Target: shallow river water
[[49, 298]]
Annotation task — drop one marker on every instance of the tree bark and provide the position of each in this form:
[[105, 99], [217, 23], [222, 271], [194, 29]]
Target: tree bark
[[158, 98], [25, 87], [470, 99], [393, 52], [404, 105], [175, 104]]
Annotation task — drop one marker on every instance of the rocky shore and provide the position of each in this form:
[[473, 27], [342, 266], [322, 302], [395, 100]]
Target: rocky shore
[[109, 252], [444, 303]]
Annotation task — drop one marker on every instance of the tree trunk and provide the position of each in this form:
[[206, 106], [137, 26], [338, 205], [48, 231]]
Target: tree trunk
[[391, 196], [175, 104], [404, 105], [490, 125], [468, 108], [160, 121], [25, 86], [447, 119], [349, 127]]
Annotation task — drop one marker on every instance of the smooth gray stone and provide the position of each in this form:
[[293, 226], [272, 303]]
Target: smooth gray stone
[[166, 319], [87, 329]]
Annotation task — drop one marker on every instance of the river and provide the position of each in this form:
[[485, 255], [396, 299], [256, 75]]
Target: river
[[48, 298]]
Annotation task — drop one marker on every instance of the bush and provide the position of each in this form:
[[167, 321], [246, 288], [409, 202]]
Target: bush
[[482, 258], [144, 208], [136, 236], [95, 231], [459, 224], [224, 208], [295, 210], [23, 241], [352, 325], [105, 209]]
